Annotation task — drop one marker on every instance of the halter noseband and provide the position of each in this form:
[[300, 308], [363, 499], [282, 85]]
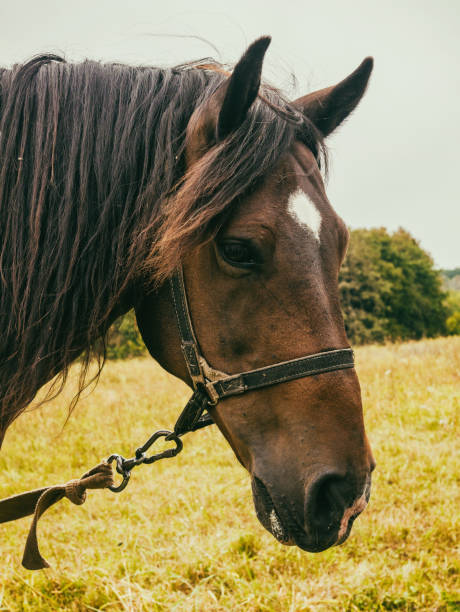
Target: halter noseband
[[211, 385]]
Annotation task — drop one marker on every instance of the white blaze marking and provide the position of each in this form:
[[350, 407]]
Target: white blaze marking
[[355, 509], [304, 212]]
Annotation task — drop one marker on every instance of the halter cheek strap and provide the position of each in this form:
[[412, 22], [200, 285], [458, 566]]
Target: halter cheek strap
[[212, 385]]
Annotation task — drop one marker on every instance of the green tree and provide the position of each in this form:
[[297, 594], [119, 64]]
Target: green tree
[[364, 289], [453, 324], [390, 289], [124, 339], [452, 304]]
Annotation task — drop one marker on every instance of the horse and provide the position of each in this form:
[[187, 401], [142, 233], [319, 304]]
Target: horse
[[112, 178]]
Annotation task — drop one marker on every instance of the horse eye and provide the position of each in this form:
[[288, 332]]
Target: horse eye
[[237, 253]]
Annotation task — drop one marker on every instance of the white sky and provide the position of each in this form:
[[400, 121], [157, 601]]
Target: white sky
[[397, 160]]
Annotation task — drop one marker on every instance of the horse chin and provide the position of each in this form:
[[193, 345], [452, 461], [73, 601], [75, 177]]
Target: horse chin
[[267, 514], [282, 526]]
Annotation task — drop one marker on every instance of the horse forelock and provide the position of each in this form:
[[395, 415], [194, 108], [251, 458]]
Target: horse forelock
[[93, 190]]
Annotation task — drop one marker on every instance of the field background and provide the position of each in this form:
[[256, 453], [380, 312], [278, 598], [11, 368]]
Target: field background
[[184, 536]]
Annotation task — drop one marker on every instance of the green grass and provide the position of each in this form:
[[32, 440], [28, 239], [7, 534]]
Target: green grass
[[184, 535]]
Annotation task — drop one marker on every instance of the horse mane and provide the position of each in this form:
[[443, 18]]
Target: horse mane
[[94, 196]]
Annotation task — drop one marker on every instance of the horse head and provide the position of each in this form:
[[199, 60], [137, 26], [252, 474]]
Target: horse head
[[264, 289]]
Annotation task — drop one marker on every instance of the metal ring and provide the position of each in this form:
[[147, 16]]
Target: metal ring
[[126, 474]]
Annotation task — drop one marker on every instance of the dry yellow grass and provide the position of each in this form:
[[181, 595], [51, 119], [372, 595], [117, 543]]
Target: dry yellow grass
[[184, 536]]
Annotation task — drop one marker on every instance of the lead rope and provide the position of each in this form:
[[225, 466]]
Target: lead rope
[[36, 502]]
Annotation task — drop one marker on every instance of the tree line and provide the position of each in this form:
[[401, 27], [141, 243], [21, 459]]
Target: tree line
[[390, 291]]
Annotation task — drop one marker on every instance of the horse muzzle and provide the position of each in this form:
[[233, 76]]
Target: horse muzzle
[[332, 503]]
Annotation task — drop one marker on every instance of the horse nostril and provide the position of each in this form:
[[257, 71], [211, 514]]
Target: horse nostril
[[326, 502]]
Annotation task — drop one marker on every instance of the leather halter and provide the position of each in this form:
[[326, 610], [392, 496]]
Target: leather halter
[[211, 385]]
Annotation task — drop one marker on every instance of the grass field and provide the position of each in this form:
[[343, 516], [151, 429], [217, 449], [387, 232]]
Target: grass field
[[184, 536]]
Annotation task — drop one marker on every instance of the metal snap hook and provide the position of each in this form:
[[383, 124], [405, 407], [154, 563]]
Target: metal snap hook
[[124, 466], [169, 436]]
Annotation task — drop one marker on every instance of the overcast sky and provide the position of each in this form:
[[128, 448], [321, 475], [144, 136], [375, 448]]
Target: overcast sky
[[396, 162]]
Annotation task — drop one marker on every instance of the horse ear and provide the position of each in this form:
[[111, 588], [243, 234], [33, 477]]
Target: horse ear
[[228, 106], [327, 108], [242, 88]]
